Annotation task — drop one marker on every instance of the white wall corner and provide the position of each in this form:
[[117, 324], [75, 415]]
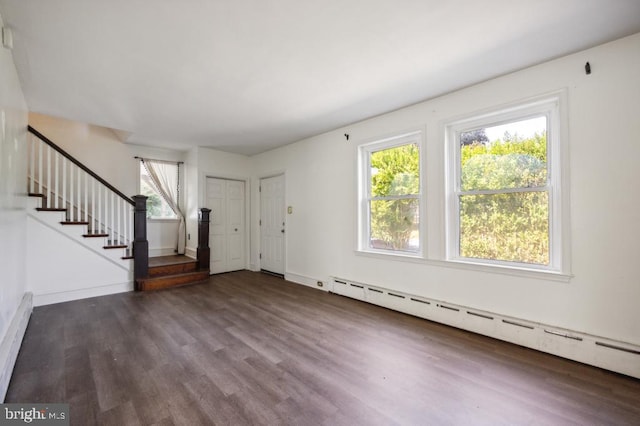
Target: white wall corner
[[10, 345], [162, 251], [191, 252]]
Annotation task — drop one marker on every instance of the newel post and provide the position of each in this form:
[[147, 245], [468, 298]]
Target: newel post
[[140, 243], [203, 240]]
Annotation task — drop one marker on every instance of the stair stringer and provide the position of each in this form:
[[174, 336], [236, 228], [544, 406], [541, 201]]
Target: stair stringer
[[76, 232], [62, 267]]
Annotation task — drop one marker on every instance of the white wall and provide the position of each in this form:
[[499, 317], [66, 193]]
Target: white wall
[[604, 124], [13, 225], [100, 149]]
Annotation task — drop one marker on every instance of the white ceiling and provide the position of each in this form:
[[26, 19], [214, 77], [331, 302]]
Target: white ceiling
[[248, 75]]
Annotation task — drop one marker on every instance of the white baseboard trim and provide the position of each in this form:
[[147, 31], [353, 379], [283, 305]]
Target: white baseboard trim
[[621, 357], [162, 251], [66, 296], [191, 252], [12, 341], [306, 281]]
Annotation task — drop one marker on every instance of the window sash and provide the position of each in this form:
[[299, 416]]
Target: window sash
[[548, 106], [365, 214]]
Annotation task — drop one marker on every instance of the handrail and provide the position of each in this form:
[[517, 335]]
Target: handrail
[[46, 140]]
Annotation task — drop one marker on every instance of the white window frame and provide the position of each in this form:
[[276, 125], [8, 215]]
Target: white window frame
[[364, 177], [551, 106]]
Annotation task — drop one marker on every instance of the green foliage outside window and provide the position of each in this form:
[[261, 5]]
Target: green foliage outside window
[[154, 202], [157, 207], [394, 207], [509, 226]]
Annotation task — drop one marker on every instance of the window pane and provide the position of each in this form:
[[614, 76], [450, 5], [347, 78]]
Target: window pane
[[513, 155], [395, 171], [510, 227], [394, 225]]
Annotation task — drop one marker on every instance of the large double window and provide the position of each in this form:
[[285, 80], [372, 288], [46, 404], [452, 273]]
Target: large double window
[[391, 195], [501, 199]]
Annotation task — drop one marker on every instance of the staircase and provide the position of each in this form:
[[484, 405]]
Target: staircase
[[71, 199]]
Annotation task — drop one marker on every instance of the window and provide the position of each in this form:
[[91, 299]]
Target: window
[[504, 204], [390, 199], [157, 207]]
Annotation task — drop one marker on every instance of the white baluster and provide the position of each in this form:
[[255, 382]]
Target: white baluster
[[79, 195], [100, 208], [71, 192], [106, 211], [40, 190], [86, 197], [64, 182], [119, 217], [93, 205], [113, 218], [48, 182], [32, 170], [57, 180], [125, 218]]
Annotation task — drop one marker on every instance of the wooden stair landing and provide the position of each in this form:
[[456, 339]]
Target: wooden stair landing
[[171, 271]]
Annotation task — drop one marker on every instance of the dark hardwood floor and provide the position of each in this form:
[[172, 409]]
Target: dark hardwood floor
[[249, 348]]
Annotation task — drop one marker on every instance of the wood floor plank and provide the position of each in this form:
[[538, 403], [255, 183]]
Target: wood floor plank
[[246, 348]]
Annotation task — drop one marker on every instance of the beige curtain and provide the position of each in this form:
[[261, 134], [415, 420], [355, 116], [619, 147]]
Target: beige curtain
[[166, 178]]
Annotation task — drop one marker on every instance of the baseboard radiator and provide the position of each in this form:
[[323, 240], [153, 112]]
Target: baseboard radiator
[[609, 354], [10, 344]]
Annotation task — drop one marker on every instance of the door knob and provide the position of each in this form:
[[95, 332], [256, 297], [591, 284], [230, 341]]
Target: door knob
[[282, 231], [236, 229]]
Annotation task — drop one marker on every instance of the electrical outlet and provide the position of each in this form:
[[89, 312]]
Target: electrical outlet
[[320, 284]]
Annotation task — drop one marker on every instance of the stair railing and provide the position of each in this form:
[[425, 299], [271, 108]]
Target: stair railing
[[65, 183]]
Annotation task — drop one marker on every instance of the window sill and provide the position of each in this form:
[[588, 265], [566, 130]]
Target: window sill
[[401, 256], [470, 266]]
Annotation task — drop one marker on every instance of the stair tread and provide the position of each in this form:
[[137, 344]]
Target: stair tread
[[74, 222], [94, 235], [115, 246], [35, 194], [50, 209]]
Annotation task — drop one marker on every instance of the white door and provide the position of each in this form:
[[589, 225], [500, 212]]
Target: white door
[[272, 221], [225, 198]]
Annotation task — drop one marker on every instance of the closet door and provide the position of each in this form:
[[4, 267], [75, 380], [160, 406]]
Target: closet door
[[226, 200]]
